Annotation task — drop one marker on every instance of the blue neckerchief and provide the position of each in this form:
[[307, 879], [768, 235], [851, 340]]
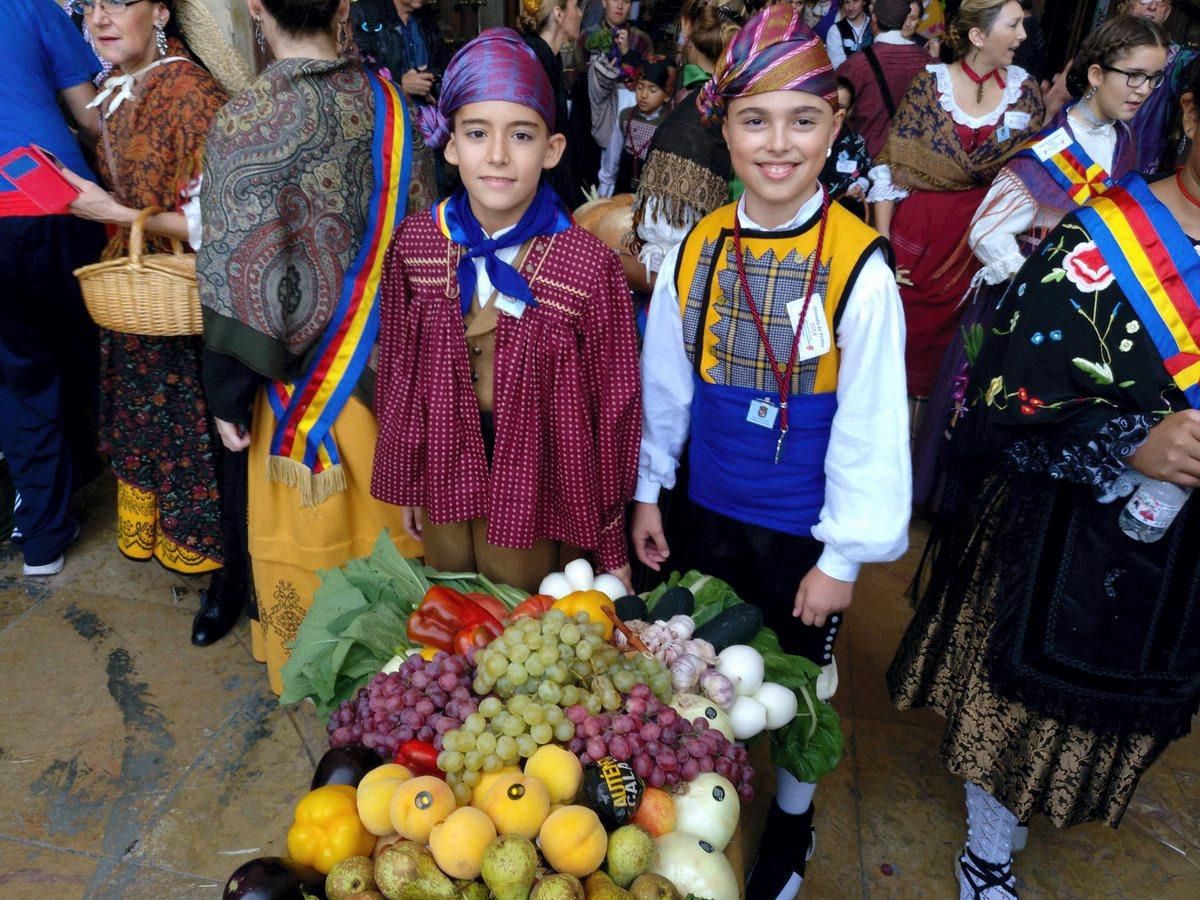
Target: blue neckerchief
[[546, 215]]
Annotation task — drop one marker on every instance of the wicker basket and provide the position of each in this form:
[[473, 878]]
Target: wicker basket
[[153, 294]]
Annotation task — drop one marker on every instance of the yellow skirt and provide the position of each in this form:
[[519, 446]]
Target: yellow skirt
[[289, 543], [140, 535]]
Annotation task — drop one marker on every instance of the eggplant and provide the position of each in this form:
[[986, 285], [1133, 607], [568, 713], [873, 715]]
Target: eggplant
[[274, 878], [345, 765]]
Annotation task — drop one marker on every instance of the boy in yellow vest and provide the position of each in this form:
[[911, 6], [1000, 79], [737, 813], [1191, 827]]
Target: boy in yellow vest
[[776, 344]]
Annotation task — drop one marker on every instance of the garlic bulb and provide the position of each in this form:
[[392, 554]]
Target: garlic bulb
[[717, 688], [681, 627], [702, 649], [686, 671]]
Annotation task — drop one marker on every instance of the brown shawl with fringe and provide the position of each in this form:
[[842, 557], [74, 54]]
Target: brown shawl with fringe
[[924, 150]]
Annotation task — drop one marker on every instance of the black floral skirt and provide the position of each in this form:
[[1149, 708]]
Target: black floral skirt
[[155, 428], [1032, 763]]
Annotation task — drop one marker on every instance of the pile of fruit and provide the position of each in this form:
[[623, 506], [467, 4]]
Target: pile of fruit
[[544, 751]]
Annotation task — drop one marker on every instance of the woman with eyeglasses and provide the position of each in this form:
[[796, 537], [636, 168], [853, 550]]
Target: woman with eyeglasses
[[1158, 117], [1086, 148], [1061, 644], [154, 423], [306, 174]]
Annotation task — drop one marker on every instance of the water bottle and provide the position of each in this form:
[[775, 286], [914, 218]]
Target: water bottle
[[1152, 509]]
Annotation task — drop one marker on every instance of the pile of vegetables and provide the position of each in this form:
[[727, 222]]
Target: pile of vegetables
[[579, 743]]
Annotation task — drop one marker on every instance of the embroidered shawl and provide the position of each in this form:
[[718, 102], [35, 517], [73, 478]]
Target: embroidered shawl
[[924, 150], [287, 179]]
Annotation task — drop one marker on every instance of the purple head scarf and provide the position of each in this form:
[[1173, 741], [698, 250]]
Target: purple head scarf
[[497, 65]]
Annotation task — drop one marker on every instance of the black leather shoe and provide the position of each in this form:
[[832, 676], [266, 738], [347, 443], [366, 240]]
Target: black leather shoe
[[220, 608]]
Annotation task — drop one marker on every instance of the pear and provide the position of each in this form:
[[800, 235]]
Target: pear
[[558, 887], [350, 876], [406, 871], [366, 895], [510, 866], [630, 849], [600, 887], [653, 886], [474, 890]]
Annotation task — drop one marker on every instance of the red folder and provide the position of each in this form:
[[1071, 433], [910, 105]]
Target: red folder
[[31, 184]]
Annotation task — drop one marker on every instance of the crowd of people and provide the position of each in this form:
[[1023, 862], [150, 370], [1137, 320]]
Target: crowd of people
[[874, 264]]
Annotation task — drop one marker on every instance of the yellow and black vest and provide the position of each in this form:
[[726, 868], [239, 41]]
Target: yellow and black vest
[[732, 459]]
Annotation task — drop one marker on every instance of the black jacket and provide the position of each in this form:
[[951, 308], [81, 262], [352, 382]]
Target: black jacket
[[374, 23]]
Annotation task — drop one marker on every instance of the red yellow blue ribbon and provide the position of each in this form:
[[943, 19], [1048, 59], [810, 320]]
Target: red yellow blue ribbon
[[303, 451], [1157, 268], [1072, 170]]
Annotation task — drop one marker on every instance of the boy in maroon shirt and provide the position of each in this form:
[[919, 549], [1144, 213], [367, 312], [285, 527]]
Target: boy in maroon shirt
[[508, 396]]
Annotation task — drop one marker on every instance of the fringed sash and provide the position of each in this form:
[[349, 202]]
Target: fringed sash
[[303, 451]]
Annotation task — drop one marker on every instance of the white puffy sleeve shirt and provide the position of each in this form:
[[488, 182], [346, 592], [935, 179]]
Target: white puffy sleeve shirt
[[868, 478]]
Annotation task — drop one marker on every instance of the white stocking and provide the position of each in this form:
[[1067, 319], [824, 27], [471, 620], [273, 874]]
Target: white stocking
[[989, 826]]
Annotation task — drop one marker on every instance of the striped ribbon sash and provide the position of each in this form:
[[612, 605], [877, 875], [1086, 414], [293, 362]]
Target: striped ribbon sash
[[303, 451], [1069, 165], [1157, 268]]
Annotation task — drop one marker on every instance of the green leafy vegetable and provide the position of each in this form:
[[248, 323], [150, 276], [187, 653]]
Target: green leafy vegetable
[[359, 620]]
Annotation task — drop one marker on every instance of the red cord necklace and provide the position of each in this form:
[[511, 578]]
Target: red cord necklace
[[1187, 195], [980, 80], [783, 374]]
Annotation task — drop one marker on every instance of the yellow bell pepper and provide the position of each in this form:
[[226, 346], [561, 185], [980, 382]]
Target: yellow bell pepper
[[327, 829], [591, 602]]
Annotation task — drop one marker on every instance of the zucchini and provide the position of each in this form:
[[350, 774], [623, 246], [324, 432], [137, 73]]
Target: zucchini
[[737, 625], [631, 607], [676, 601]]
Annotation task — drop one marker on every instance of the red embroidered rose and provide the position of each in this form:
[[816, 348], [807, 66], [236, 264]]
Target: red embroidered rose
[[1086, 269]]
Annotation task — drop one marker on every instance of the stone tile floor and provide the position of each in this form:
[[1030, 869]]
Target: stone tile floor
[[134, 765]]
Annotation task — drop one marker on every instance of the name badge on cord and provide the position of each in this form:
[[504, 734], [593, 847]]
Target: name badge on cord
[[510, 306], [1003, 134], [763, 412], [847, 166], [815, 338]]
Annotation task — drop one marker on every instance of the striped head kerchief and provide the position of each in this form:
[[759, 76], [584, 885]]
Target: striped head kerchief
[[774, 51], [496, 65]]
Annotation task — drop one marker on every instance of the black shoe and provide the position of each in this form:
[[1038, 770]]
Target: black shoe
[[220, 608], [985, 880], [787, 846]]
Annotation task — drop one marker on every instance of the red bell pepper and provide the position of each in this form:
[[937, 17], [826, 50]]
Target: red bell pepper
[[419, 757], [491, 604], [442, 615], [534, 607], [472, 638]]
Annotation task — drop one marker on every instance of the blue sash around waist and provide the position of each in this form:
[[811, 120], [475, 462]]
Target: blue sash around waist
[[733, 469]]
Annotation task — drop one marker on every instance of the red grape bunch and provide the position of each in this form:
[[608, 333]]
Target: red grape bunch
[[663, 747], [423, 700]]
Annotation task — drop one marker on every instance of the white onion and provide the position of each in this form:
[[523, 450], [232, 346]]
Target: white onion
[[743, 666], [748, 718], [579, 574], [780, 703], [610, 585], [555, 585]]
